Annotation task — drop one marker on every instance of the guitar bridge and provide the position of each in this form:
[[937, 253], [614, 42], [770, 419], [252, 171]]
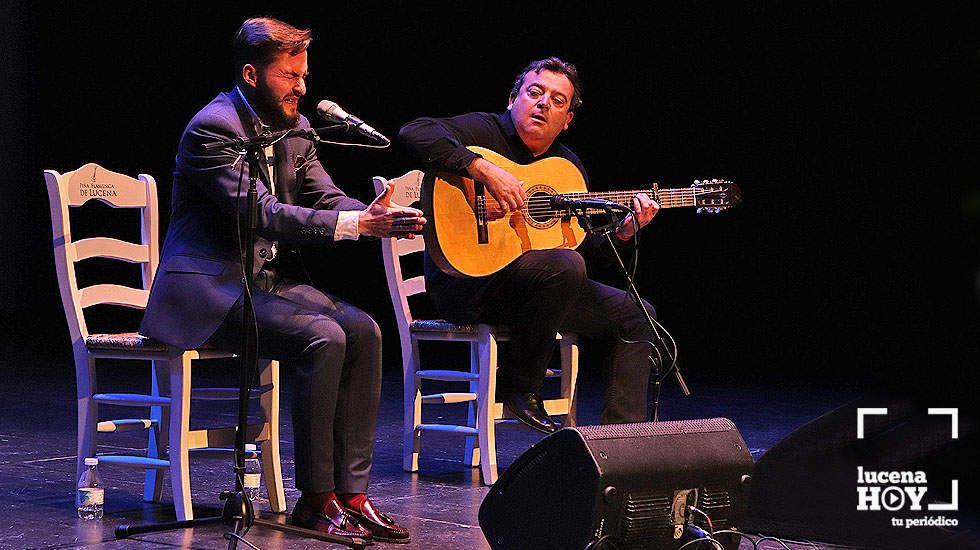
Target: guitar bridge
[[481, 215]]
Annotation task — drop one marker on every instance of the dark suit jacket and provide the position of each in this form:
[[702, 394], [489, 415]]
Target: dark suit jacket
[[200, 274]]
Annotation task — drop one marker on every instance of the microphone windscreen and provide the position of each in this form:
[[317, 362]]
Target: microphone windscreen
[[330, 110]]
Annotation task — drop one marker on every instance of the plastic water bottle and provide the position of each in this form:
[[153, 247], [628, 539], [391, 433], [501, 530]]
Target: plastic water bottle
[[253, 473], [91, 494]]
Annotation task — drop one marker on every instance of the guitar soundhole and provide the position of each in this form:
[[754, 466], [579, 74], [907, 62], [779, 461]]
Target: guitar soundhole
[[537, 210]]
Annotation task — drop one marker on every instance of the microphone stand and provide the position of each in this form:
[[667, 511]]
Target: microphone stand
[[238, 510], [655, 363]]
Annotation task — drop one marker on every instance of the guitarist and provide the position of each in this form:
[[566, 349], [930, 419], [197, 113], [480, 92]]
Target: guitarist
[[543, 291]]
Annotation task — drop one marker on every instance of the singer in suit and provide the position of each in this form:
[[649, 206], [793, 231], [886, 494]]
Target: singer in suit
[[543, 291], [197, 296]]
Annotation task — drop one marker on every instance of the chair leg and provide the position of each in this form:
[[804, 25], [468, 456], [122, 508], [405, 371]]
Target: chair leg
[[271, 463], [412, 400], [158, 436], [487, 353], [88, 409], [569, 375], [180, 405], [471, 453]]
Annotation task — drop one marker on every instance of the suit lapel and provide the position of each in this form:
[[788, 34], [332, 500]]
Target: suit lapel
[[285, 171]]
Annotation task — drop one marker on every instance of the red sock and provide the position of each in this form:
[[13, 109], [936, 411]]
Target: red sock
[[319, 500], [353, 500]]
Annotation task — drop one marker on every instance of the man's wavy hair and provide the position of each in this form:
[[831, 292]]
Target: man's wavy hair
[[554, 65], [260, 39]]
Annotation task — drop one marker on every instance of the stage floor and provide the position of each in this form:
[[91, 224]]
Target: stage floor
[[439, 505]]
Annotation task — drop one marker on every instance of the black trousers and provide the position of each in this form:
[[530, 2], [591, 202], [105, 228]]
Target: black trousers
[[335, 349], [547, 291]]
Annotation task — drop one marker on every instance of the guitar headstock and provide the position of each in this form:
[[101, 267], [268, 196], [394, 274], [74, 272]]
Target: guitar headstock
[[714, 196]]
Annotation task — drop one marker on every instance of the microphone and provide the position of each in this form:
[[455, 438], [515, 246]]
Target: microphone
[[561, 202], [331, 112]]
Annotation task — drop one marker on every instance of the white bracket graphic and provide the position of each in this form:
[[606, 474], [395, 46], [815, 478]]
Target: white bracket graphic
[[862, 411], [954, 419], [954, 503]]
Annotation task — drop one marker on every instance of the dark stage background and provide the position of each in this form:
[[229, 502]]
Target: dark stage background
[[846, 125]]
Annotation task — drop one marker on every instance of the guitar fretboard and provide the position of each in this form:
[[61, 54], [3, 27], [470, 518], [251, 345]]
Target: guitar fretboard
[[539, 206], [668, 198]]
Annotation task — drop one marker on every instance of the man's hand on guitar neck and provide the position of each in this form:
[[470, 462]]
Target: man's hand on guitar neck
[[645, 209], [501, 184]]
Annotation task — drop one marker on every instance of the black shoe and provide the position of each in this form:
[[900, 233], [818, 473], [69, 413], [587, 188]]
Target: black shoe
[[529, 409]]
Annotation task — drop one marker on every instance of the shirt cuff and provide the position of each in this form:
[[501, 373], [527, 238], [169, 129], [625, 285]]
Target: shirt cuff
[[461, 159], [346, 226]]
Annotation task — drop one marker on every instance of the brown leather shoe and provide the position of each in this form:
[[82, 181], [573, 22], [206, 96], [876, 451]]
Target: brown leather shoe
[[331, 519], [382, 527]]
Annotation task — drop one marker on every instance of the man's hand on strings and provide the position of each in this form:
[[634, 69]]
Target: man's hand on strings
[[502, 185]]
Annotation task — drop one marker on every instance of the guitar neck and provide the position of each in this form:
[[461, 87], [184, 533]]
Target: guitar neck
[[668, 198]]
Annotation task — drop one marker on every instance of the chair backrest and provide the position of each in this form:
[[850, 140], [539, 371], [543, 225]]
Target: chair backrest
[[74, 189], [405, 193]]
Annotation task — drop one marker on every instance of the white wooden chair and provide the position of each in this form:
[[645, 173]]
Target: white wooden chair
[[169, 397], [484, 411]]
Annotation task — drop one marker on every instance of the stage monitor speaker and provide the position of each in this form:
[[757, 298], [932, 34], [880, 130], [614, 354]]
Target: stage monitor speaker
[[624, 486]]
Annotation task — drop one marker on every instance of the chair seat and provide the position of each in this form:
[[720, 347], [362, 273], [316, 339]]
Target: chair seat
[[443, 326], [127, 341]]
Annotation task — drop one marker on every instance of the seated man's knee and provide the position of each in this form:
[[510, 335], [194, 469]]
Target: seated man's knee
[[566, 265], [324, 334], [364, 330]]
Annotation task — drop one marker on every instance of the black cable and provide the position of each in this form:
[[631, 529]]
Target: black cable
[[654, 324], [714, 543], [762, 539], [739, 533], [630, 277]]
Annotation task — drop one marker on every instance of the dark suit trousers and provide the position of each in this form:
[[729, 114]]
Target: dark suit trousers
[[335, 350], [547, 291]]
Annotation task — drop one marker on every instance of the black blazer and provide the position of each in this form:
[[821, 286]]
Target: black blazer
[[200, 274]]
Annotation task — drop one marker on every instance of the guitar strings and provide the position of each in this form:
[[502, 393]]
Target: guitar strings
[[540, 206]]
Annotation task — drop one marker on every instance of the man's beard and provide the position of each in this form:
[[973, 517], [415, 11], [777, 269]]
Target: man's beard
[[271, 111]]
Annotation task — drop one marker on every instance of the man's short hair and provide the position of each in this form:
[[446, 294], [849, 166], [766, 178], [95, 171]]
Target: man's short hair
[[554, 65], [260, 39]]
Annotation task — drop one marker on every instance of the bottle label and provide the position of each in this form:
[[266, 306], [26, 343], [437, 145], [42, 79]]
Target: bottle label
[[91, 496], [253, 480]]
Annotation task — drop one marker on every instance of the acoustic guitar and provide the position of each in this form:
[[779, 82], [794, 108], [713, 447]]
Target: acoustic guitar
[[469, 235]]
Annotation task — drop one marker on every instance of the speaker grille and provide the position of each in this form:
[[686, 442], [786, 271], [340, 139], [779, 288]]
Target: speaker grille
[[646, 516], [717, 503], [653, 429]]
